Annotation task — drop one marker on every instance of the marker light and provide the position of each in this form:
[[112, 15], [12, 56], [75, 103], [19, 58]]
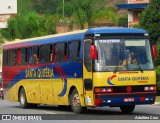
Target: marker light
[[129, 89], [103, 90], [150, 88]]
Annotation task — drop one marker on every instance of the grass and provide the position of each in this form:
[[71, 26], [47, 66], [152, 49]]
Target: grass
[[157, 98]]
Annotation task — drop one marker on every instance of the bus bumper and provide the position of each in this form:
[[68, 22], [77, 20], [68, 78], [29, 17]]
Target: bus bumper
[[124, 99]]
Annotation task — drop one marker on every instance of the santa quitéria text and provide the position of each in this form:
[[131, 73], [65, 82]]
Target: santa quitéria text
[[139, 79], [39, 73]]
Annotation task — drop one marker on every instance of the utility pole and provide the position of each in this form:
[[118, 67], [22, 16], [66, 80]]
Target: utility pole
[[63, 17]]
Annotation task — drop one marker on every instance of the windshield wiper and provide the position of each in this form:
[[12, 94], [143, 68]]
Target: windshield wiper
[[140, 68]]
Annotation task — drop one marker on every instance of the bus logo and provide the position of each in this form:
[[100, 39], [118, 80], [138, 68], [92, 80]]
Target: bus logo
[[110, 78]]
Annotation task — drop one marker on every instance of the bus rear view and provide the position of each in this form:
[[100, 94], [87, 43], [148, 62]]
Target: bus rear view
[[123, 74]]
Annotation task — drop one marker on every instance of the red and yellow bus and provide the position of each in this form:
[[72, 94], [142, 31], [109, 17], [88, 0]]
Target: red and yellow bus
[[90, 68]]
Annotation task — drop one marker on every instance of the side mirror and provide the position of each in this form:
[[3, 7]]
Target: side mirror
[[154, 51], [93, 52]]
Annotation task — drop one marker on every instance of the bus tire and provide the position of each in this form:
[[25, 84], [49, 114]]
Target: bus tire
[[75, 102], [23, 99], [127, 108]]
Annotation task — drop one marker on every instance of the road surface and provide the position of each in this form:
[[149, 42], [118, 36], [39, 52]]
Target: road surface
[[55, 113]]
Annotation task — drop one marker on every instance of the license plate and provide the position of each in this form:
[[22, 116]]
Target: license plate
[[129, 99]]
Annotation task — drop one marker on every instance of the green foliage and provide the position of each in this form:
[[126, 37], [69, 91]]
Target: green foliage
[[136, 26], [84, 12], [24, 6], [45, 6], [157, 60], [1, 40], [27, 26], [79, 10], [68, 8], [158, 75], [105, 14], [150, 20], [50, 13], [79, 17], [123, 21]]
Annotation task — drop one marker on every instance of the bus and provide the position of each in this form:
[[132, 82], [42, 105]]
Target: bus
[[80, 69]]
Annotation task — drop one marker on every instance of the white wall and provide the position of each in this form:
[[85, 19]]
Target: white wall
[[8, 6], [130, 16]]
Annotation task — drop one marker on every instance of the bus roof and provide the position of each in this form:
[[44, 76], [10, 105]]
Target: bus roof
[[69, 36], [114, 30]]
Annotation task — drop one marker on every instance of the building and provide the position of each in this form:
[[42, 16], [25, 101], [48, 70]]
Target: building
[[8, 8], [134, 7]]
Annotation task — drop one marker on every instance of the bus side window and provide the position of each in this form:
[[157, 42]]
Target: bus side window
[[65, 52], [30, 55], [34, 55], [5, 60], [51, 53], [23, 56], [18, 56], [60, 52], [12, 57], [45, 54], [74, 50], [54, 53]]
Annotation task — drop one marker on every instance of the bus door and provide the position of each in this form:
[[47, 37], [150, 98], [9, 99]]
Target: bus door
[[87, 74]]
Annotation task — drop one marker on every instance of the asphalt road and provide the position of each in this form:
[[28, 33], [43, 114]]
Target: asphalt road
[[56, 113]]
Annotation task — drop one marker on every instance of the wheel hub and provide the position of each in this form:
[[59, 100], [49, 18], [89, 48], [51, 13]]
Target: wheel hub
[[76, 101]]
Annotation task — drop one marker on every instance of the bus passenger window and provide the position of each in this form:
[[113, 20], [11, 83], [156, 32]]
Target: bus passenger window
[[54, 53], [33, 55], [60, 52], [51, 53], [23, 56], [12, 57], [18, 56], [5, 58], [65, 52], [74, 50], [45, 54]]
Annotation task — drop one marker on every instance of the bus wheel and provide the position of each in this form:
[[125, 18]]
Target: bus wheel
[[127, 109], [23, 99], [75, 102]]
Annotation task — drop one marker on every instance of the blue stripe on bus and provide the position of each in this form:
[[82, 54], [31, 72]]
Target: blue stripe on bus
[[120, 101], [64, 90], [71, 69]]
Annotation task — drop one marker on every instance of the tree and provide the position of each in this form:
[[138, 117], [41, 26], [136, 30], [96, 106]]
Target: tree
[[84, 12], [80, 11], [150, 20], [27, 26], [24, 6], [123, 21], [45, 6], [105, 14]]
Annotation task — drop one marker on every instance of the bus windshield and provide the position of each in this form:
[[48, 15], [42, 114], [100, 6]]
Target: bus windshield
[[123, 54]]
